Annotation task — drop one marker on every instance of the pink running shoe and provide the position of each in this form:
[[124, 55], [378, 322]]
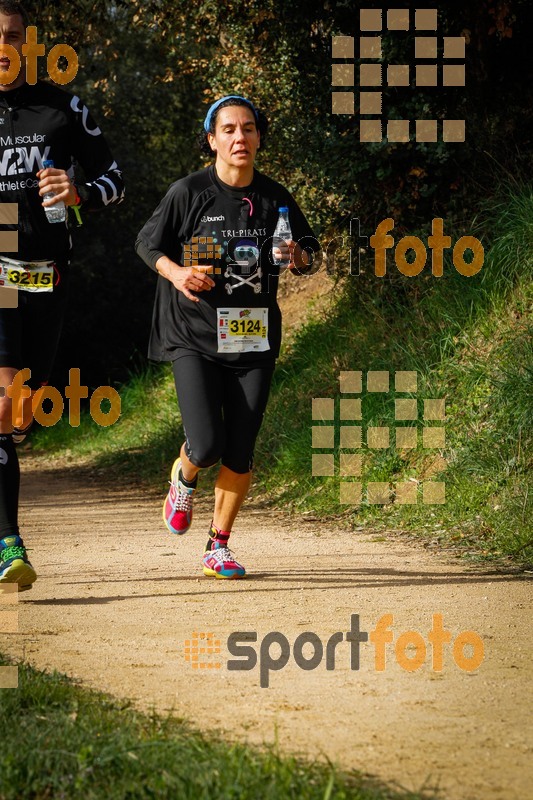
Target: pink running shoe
[[177, 508], [220, 563]]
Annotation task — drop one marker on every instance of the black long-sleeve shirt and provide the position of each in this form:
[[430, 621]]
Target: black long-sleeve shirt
[[201, 219], [39, 122]]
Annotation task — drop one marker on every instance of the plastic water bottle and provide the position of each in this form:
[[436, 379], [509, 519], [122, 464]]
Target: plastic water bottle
[[57, 212], [282, 233]]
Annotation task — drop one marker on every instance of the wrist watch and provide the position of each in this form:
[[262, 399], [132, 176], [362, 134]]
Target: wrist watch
[[82, 193]]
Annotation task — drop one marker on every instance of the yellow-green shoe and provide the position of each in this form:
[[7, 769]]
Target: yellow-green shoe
[[14, 564]]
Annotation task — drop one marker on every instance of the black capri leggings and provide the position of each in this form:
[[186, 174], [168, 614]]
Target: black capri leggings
[[222, 410]]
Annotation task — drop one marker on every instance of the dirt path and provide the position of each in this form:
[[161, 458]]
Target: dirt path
[[117, 598]]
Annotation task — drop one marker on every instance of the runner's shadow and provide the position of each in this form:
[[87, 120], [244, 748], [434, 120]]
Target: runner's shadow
[[252, 584]]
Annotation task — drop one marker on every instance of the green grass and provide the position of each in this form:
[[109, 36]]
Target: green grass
[[469, 339], [61, 741]]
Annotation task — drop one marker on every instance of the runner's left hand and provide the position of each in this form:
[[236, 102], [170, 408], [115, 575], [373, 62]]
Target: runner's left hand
[[57, 181], [298, 258]]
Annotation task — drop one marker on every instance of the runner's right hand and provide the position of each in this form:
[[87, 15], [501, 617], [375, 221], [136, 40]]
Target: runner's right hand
[[186, 279]]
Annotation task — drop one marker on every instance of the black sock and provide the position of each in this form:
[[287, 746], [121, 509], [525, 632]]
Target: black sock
[[9, 486], [19, 434], [189, 484]]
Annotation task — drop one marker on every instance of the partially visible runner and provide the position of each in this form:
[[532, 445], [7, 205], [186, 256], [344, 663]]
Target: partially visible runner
[[45, 123], [219, 323]]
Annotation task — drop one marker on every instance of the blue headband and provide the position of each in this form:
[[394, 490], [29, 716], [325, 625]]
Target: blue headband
[[213, 108]]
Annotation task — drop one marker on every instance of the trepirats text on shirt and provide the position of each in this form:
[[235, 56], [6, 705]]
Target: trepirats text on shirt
[[244, 232]]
